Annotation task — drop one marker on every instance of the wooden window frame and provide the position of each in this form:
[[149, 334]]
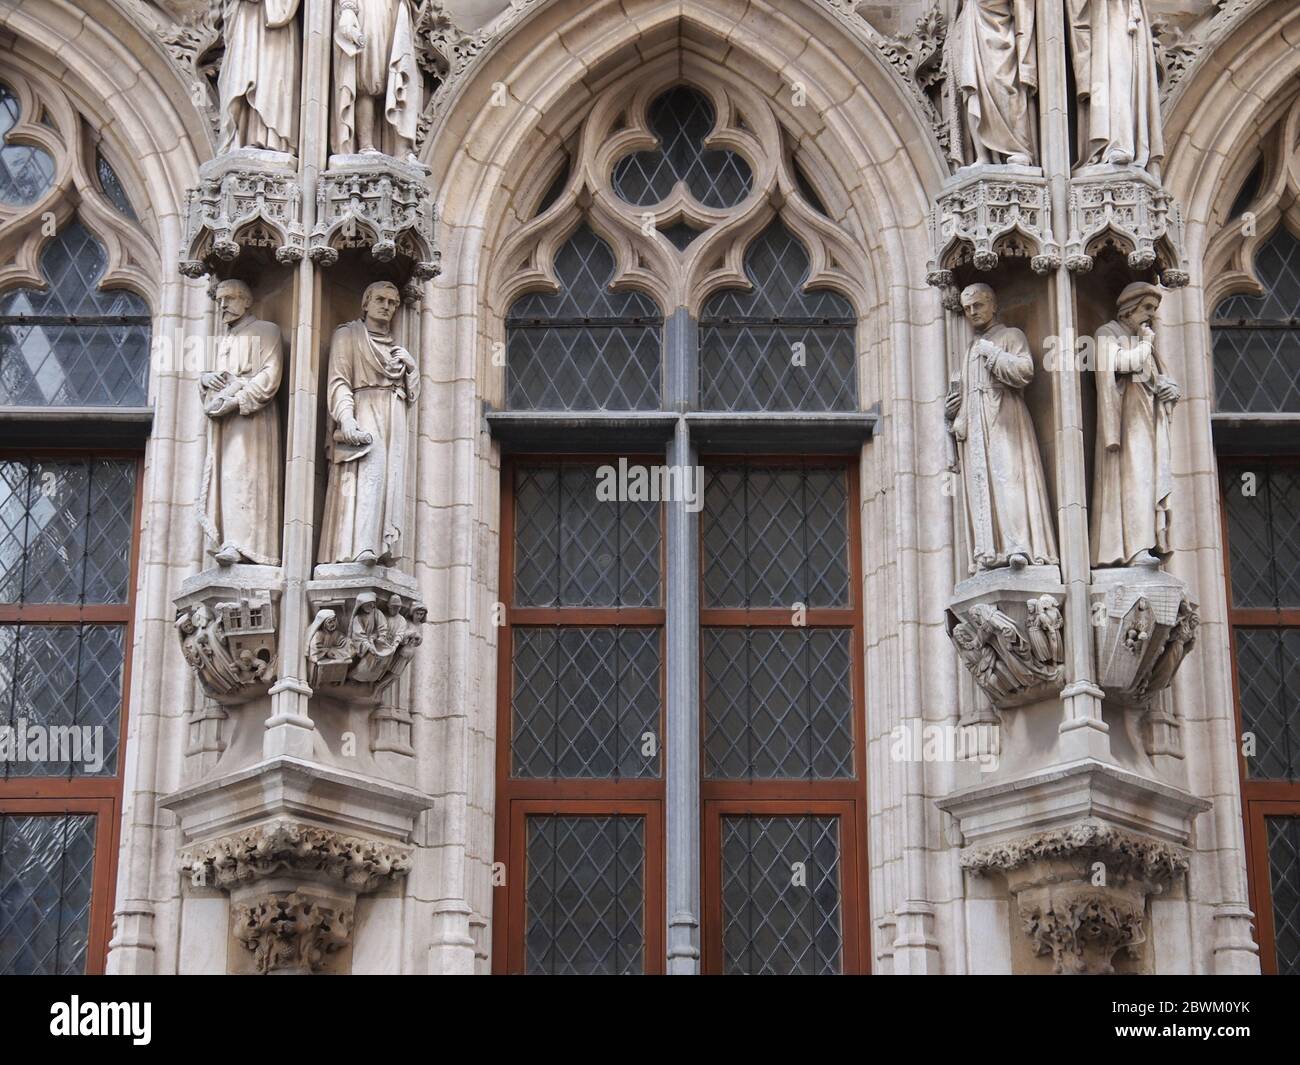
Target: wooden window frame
[[846, 798], [1260, 797], [101, 796], [517, 798]]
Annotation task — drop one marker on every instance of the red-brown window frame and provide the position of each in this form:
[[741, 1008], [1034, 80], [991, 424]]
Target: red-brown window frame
[[100, 796], [517, 798], [846, 799], [1260, 798]]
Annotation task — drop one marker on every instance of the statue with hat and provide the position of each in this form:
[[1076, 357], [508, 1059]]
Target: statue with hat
[[1133, 472], [1008, 519]]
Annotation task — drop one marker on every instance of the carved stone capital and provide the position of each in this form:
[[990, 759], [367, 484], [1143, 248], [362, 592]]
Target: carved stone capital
[[990, 212], [1126, 209], [247, 198], [226, 624], [1145, 625], [1008, 629], [1082, 928], [367, 623], [375, 201], [292, 933], [285, 847]]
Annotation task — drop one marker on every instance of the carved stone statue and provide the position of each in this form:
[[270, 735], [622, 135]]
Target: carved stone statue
[[240, 496], [377, 82], [371, 383], [1115, 72], [260, 75], [1009, 521], [995, 76], [1133, 472], [1043, 629], [1181, 641]]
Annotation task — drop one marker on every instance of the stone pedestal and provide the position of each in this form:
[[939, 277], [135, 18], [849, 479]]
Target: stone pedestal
[[1125, 208], [249, 198], [1144, 624]]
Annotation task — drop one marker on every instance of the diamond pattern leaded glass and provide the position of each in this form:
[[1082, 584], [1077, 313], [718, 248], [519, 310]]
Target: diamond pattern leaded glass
[[25, 171], [682, 118], [1284, 879], [65, 530], [1268, 682], [1257, 361], [776, 922], [576, 547], [46, 874], [61, 680], [112, 186], [585, 347], [775, 536], [1262, 501], [585, 895], [585, 703], [73, 344], [778, 347], [778, 704]]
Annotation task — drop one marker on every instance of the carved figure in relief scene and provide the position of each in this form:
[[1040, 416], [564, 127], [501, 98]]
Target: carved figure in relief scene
[[239, 505], [994, 67], [1182, 638], [1043, 629], [1133, 472], [1008, 518], [1003, 661], [378, 86], [376, 649], [259, 81], [372, 381], [225, 662], [1115, 73]]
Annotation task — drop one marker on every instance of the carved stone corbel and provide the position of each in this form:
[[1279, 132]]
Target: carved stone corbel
[[988, 213], [290, 933], [226, 624], [375, 201], [247, 198], [1126, 209], [1145, 625]]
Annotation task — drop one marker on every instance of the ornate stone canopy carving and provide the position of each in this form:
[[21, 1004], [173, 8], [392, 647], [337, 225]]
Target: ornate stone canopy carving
[[1125, 209]]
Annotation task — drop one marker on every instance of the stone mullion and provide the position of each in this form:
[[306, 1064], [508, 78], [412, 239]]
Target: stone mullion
[[682, 659], [290, 728], [1083, 732]]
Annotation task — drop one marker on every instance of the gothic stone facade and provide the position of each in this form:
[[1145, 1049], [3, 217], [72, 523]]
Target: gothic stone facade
[[630, 485]]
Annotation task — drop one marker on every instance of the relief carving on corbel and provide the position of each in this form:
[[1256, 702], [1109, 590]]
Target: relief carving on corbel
[[292, 933]]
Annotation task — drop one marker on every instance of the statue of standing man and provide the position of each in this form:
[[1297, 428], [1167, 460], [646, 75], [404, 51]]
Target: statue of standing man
[[1008, 519], [371, 383], [240, 498], [260, 76], [995, 74], [1115, 72], [377, 82], [1133, 471]]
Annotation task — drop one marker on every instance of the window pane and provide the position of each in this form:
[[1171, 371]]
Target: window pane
[[65, 530], [585, 895], [1277, 265], [1263, 533], [778, 704], [603, 353], [583, 701], [778, 347], [89, 363], [775, 536], [1268, 680], [25, 171], [575, 548], [682, 118], [775, 922], [46, 871], [1284, 876], [65, 683]]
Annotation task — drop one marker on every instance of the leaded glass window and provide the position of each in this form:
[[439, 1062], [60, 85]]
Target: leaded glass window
[[73, 344], [585, 347], [1257, 338], [778, 347], [1284, 879], [26, 172], [46, 870]]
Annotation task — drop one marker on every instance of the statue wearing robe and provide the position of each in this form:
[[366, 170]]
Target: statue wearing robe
[[371, 383], [1133, 470], [1008, 519], [1115, 74], [375, 68], [240, 497], [995, 73], [260, 75]]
